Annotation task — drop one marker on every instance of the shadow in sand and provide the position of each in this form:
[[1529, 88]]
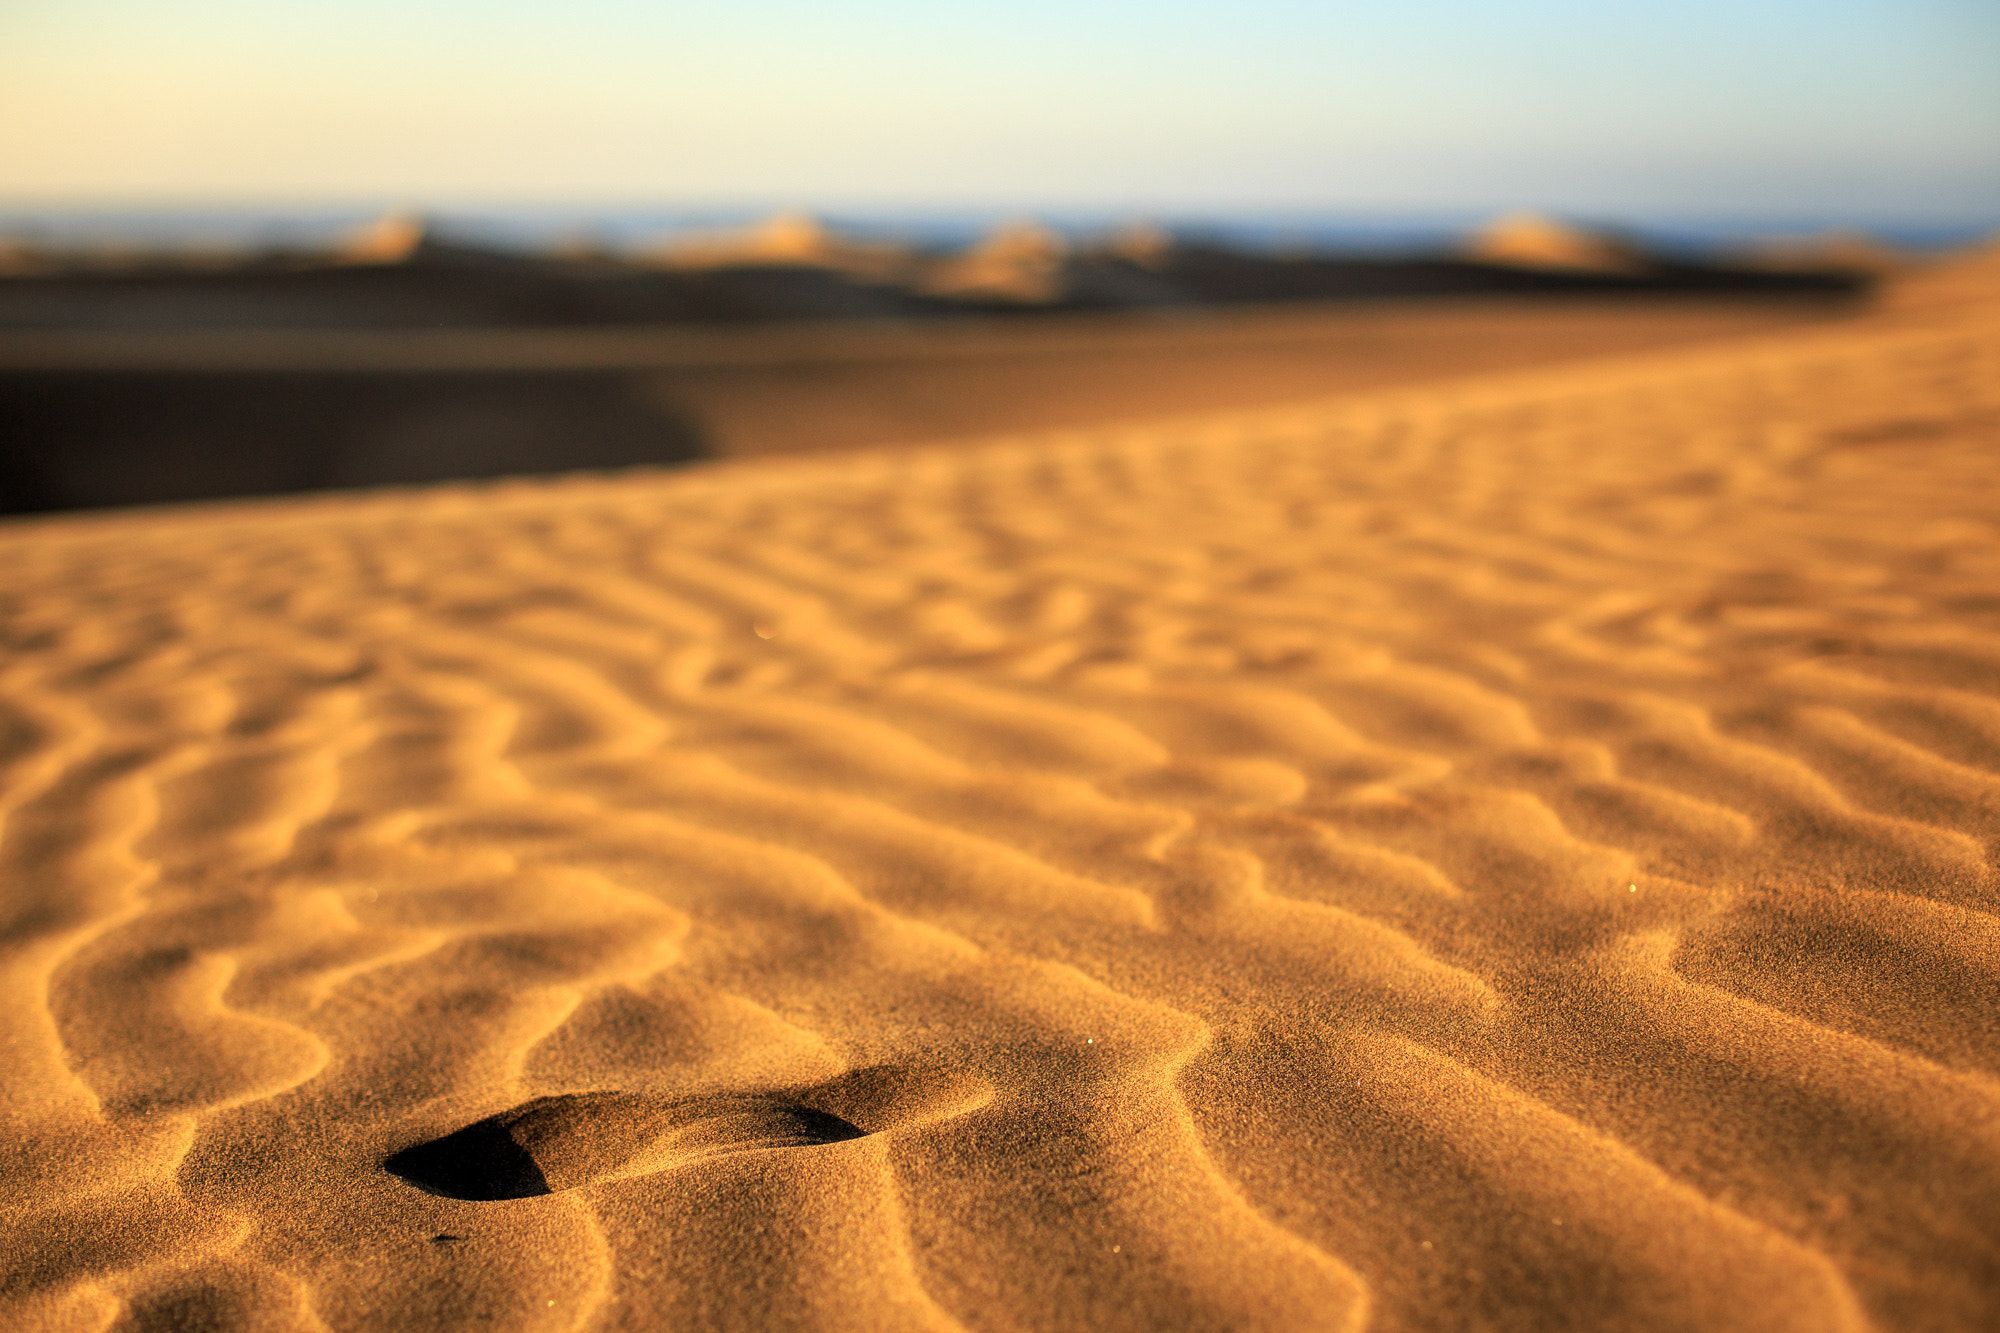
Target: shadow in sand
[[86, 439], [567, 1140]]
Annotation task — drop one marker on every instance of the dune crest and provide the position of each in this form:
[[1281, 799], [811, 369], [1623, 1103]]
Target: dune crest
[[1506, 853], [1020, 262], [393, 238], [1532, 241], [789, 240]]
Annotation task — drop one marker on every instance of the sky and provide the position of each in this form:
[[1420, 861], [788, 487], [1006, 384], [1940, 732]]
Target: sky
[[1630, 108]]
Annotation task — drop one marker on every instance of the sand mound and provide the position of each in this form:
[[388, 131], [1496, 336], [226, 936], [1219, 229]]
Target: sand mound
[[1516, 855], [394, 238], [1019, 262], [788, 240], [401, 239], [1142, 243], [1528, 240]]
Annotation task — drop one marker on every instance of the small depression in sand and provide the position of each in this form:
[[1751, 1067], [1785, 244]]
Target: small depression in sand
[[568, 1140]]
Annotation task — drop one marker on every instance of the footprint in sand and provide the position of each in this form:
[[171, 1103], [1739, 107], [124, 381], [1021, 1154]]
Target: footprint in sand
[[586, 1138]]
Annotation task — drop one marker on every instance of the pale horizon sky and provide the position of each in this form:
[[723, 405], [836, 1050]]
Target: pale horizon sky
[[1862, 108]]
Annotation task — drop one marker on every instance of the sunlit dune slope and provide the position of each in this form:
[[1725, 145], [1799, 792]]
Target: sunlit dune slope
[[1511, 854]]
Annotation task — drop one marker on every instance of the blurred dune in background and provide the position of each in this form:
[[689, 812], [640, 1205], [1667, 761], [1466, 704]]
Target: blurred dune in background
[[402, 354]]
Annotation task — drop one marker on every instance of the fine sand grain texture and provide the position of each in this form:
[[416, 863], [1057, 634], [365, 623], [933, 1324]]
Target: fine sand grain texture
[[1516, 854]]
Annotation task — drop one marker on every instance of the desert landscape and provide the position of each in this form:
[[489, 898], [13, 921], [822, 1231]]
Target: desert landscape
[[403, 353], [1453, 815]]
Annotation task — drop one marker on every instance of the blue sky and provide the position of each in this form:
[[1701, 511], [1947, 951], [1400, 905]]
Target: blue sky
[[1869, 108]]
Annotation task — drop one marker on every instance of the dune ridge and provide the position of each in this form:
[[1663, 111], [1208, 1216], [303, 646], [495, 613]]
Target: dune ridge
[[1508, 854]]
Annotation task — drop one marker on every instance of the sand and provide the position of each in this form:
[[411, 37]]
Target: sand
[[1512, 853], [89, 413]]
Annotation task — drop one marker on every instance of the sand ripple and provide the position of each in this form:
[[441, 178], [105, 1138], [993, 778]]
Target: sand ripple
[[1515, 855]]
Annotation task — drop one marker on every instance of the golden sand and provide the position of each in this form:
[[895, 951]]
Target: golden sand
[[1514, 854]]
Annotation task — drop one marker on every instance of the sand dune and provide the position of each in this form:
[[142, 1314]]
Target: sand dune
[[1515, 853], [792, 240], [1536, 242], [246, 413]]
